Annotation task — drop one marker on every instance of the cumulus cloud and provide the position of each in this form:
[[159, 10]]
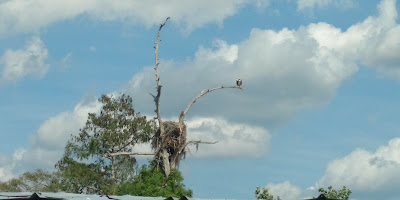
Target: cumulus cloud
[[373, 42], [282, 71], [46, 145], [29, 16], [234, 139], [30, 61], [285, 190], [366, 171], [9, 163], [310, 4]]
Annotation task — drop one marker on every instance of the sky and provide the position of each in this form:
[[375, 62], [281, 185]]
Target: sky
[[320, 78]]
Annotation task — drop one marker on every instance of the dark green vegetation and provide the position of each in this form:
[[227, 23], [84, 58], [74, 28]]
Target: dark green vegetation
[[343, 194], [99, 160], [153, 181], [86, 165]]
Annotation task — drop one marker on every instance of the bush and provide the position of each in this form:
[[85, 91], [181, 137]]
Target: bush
[[152, 183]]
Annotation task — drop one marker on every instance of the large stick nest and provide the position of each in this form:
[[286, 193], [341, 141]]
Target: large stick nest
[[174, 138]]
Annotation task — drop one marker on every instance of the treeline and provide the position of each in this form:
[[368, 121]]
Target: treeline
[[99, 160], [147, 182], [342, 194]]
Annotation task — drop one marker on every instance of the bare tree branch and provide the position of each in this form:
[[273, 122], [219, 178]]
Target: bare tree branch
[[157, 97], [195, 142], [202, 93], [126, 154], [200, 142]]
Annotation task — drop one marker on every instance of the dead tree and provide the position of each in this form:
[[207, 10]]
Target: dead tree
[[169, 142]]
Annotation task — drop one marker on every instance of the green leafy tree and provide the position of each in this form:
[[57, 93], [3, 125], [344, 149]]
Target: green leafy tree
[[263, 193], [152, 182], [343, 193], [100, 157]]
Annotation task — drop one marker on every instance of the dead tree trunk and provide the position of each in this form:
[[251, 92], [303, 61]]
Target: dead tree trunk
[[170, 142]]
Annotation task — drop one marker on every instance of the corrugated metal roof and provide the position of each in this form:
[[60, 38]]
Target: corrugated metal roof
[[70, 196]]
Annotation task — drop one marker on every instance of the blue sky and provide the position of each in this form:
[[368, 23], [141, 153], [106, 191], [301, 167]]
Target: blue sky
[[320, 105]]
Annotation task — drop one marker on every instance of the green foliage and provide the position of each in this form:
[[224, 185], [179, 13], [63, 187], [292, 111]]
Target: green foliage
[[343, 193], [263, 193], [152, 182], [87, 166], [83, 178], [38, 180]]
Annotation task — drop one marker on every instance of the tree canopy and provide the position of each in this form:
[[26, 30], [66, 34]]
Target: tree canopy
[[100, 158], [39, 180], [331, 193], [263, 193]]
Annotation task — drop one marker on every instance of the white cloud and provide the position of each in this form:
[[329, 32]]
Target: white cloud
[[234, 139], [46, 146], [310, 4], [285, 190], [282, 71], [8, 163], [373, 42], [29, 16], [224, 52], [366, 171], [29, 61], [55, 131]]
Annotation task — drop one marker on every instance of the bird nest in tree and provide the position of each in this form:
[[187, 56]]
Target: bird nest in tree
[[174, 138]]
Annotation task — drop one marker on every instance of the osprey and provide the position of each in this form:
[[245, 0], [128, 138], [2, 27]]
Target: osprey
[[239, 82]]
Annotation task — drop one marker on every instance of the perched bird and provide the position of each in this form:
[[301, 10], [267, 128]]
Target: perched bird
[[239, 82]]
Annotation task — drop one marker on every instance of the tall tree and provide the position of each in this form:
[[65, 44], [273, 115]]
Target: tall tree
[[92, 161]]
